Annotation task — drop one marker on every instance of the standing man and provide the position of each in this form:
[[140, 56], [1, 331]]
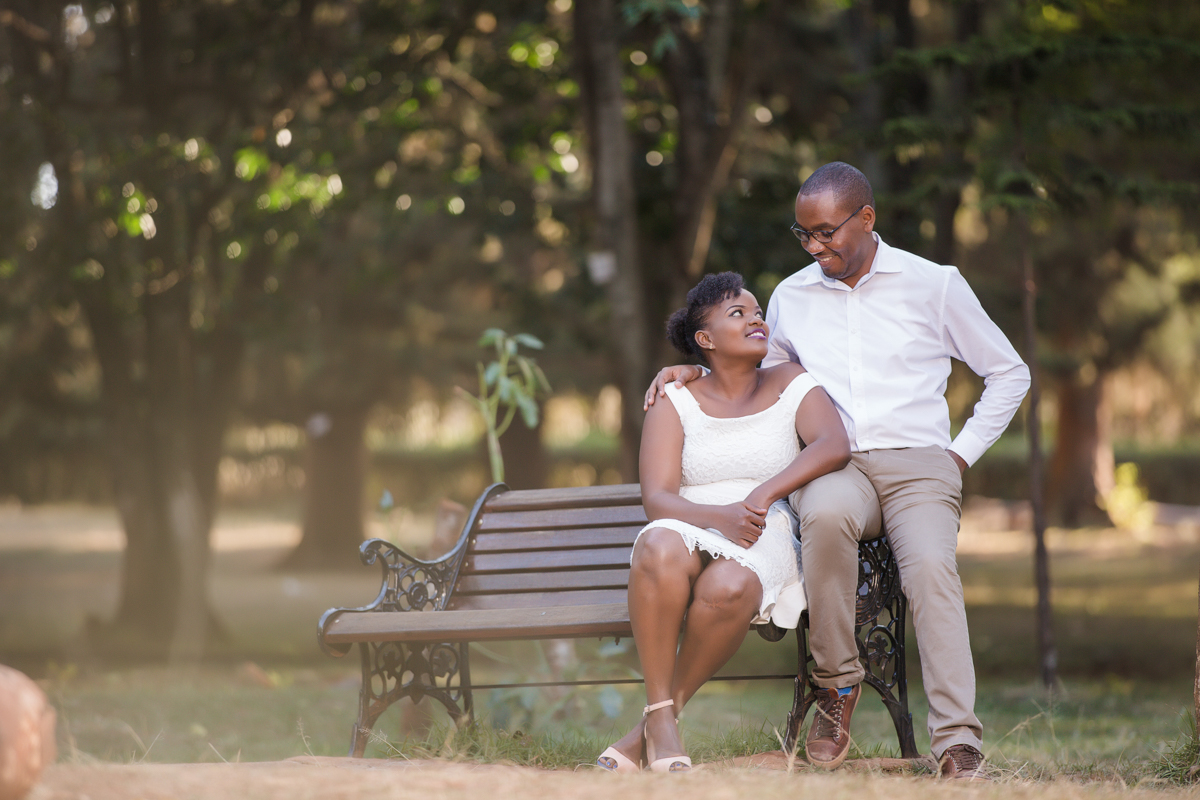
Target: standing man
[[877, 326]]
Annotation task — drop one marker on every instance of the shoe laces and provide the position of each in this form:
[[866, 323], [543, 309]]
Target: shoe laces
[[829, 716], [965, 758]]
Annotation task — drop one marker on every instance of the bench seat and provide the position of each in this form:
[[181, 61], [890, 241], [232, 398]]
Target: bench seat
[[551, 622]]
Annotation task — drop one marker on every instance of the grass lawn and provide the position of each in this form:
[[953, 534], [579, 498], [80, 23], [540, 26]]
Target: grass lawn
[[1125, 618], [1097, 729]]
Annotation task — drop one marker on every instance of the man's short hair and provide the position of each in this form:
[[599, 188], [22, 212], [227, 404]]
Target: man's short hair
[[849, 186]]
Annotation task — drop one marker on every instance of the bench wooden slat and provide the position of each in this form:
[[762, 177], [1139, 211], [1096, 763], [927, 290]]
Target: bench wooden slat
[[562, 518], [539, 599], [555, 540], [540, 561], [509, 582], [610, 619], [594, 496]]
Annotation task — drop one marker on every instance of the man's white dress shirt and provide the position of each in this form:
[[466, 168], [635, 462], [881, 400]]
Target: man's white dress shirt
[[882, 351]]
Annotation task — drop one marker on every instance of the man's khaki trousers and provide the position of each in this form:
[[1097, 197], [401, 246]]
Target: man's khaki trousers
[[916, 495]]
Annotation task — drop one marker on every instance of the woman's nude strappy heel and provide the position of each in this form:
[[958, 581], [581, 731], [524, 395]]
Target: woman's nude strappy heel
[[667, 763]]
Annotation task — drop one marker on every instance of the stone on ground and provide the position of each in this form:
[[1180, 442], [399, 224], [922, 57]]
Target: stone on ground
[[26, 734]]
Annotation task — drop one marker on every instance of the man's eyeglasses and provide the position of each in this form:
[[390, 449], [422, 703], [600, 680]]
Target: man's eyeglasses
[[824, 237]]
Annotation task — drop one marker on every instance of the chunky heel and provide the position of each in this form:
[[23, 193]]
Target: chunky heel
[[666, 763]]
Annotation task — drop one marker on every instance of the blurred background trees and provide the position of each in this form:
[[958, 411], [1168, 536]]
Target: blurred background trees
[[246, 249]]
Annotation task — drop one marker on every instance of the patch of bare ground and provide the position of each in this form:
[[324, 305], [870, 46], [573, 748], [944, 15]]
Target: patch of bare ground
[[307, 777]]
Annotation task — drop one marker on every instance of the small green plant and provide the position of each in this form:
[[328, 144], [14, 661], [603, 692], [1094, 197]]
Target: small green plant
[[1180, 763], [507, 385]]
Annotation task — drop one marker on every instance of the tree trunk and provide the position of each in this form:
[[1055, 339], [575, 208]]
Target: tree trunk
[[1047, 647], [613, 261], [706, 151], [1081, 469], [334, 483], [525, 463], [862, 35], [170, 370], [953, 165], [1196, 688], [145, 617], [711, 90]]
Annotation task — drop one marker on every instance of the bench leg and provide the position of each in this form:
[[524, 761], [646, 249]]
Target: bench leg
[[392, 671], [466, 697], [881, 648], [804, 694]]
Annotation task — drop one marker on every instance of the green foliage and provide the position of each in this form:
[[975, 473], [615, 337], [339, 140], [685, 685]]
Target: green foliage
[[1128, 503], [507, 385], [534, 708], [661, 14], [1180, 764]]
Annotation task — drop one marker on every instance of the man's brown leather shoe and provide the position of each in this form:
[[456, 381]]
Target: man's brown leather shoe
[[829, 736], [962, 763]]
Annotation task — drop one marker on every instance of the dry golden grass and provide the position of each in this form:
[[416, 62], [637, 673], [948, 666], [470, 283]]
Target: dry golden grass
[[334, 779]]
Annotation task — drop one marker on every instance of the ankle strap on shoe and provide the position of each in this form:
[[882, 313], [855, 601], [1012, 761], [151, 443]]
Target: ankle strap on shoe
[[657, 706]]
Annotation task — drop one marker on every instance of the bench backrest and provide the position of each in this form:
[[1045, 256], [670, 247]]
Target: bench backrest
[[550, 547]]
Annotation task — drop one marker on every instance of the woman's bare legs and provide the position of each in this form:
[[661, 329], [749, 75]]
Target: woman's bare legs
[[726, 596], [662, 577], [660, 582]]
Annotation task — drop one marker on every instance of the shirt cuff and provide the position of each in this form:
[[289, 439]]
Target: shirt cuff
[[968, 446]]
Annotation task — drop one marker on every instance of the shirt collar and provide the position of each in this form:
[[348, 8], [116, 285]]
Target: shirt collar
[[885, 261]]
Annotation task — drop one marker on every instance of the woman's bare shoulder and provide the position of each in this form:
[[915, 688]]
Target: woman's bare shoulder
[[664, 409], [779, 376]]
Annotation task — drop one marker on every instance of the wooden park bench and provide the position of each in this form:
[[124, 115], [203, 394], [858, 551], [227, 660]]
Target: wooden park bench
[[553, 564]]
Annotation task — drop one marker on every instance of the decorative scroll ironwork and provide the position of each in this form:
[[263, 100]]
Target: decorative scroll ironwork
[[879, 617], [408, 584], [392, 671]]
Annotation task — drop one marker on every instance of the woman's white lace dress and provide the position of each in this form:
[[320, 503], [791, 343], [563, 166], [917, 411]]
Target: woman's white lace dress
[[723, 461]]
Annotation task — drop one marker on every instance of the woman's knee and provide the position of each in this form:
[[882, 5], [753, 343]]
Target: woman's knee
[[658, 549], [727, 590]]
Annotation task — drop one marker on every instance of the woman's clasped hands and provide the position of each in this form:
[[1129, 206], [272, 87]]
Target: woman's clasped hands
[[741, 523]]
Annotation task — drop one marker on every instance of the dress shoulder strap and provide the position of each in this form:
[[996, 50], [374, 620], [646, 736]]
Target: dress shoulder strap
[[685, 403], [796, 391]]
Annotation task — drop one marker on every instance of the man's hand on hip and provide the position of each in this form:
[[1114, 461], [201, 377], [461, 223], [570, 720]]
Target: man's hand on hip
[[962, 465]]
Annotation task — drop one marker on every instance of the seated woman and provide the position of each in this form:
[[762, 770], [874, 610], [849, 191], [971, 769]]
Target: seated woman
[[718, 462]]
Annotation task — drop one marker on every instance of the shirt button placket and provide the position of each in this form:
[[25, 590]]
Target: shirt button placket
[[859, 405]]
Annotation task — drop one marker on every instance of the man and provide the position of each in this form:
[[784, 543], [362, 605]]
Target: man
[[877, 327]]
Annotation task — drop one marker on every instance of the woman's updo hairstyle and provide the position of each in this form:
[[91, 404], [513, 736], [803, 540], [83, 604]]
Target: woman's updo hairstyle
[[710, 292]]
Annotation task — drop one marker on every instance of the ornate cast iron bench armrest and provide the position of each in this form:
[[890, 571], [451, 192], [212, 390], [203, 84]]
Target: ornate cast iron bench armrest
[[408, 584]]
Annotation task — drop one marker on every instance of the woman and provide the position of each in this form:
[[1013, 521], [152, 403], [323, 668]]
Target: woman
[[718, 462]]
